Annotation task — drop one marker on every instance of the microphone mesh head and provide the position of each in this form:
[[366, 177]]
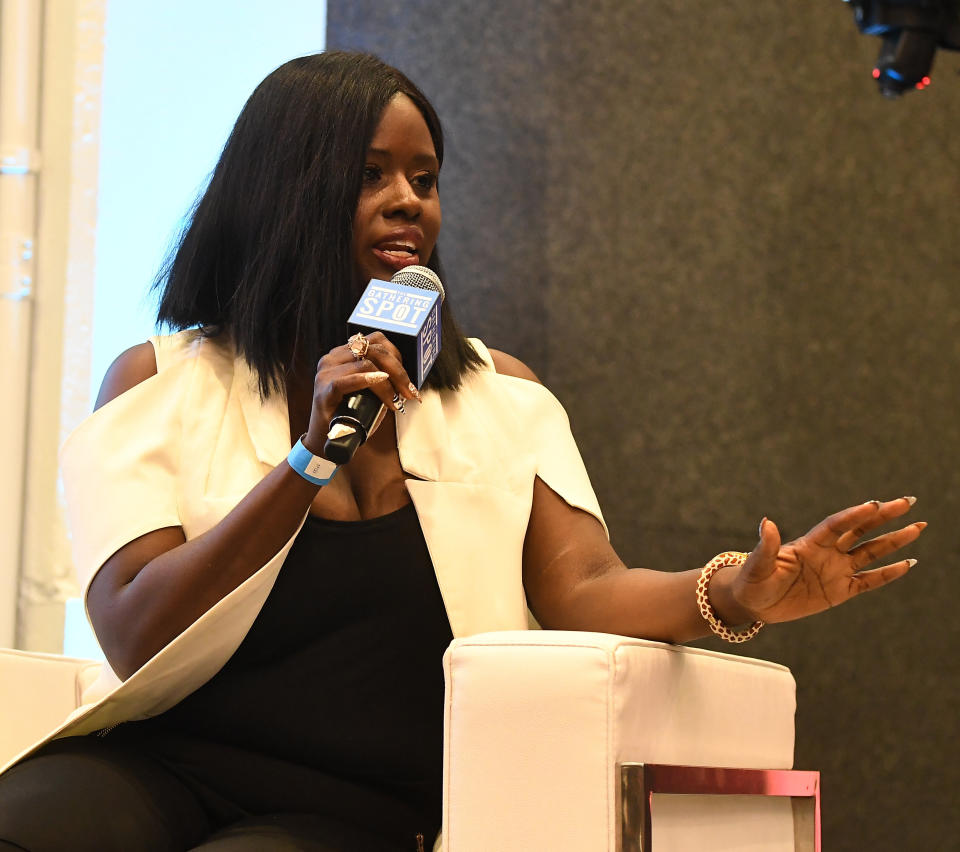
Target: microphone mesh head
[[419, 276]]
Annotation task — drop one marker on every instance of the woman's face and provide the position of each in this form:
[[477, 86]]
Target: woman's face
[[398, 212]]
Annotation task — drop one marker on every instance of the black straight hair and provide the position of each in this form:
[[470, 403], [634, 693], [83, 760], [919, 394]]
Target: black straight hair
[[266, 255]]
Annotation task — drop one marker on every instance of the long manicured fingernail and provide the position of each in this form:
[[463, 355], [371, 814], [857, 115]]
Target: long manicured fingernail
[[375, 376], [415, 392], [398, 403], [910, 500], [921, 524], [911, 563], [763, 521]]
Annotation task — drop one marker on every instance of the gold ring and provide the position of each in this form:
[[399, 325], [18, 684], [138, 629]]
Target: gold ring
[[358, 345]]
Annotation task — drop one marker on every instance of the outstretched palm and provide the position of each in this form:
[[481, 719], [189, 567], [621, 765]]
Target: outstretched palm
[[824, 567]]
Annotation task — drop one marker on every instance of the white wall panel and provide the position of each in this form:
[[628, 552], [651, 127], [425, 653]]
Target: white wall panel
[[137, 100]]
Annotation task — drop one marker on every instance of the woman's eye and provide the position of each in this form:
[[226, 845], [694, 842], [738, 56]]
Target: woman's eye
[[426, 181], [371, 174]]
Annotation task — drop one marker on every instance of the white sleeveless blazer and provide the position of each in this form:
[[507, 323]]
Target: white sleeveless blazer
[[185, 446]]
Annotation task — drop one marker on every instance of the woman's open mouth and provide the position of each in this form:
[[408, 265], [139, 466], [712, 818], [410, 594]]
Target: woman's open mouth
[[397, 255]]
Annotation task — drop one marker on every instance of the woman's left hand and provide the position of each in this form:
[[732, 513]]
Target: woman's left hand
[[824, 567]]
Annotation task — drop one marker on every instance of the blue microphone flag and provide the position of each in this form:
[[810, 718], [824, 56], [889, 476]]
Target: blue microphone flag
[[409, 316]]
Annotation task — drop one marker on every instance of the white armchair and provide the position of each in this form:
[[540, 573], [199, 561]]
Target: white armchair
[[557, 741]]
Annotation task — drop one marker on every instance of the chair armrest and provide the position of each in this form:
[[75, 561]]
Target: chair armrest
[[538, 722], [37, 692]]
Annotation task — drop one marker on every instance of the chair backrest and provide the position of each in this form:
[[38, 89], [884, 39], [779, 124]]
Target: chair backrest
[[37, 692]]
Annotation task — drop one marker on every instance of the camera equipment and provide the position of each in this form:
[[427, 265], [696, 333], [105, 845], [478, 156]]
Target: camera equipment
[[910, 33]]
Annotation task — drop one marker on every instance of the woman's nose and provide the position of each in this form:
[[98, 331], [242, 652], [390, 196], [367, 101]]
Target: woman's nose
[[402, 199]]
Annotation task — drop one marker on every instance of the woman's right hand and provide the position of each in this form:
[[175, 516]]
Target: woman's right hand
[[340, 373]]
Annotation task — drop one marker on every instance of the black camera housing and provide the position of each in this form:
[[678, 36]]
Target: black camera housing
[[910, 32]]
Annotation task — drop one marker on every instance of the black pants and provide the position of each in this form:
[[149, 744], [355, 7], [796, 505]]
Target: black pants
[[83, 793]]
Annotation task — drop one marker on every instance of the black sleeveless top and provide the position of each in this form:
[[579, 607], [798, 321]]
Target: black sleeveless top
[[334, 700]]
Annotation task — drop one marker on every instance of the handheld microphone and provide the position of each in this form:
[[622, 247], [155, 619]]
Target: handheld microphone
[[407, 310]]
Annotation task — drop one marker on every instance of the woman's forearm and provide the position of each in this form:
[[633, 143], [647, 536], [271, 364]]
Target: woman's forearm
[[659, 605]]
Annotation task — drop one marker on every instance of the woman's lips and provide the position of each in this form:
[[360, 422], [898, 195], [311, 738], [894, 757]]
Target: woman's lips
[[396, 258]]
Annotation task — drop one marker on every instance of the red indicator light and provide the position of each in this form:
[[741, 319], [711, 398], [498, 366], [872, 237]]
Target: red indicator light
[[876, 73], [925, 81]]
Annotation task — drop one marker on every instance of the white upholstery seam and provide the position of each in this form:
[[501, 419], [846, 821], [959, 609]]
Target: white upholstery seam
[[665, 646]]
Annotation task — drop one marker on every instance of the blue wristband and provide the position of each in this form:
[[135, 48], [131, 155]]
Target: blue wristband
[[315, 469]]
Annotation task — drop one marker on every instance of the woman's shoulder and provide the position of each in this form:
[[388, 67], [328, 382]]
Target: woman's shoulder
[[129, 369], [501, 363], [509, 389], [507, 365], [145, 360]]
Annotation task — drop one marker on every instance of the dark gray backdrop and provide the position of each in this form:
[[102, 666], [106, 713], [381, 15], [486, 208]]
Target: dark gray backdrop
[[737, 265]]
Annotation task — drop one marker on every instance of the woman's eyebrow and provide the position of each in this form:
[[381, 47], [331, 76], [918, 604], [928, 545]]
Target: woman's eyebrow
[[418, 159]]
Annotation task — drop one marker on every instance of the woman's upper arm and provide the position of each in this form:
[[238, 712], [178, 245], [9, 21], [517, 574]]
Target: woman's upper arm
[[130, 368], [563, 548]]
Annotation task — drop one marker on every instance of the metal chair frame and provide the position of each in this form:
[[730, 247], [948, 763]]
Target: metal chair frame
[[639, 782]]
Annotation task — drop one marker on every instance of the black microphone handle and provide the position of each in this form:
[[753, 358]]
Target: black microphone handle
[[360, 410]]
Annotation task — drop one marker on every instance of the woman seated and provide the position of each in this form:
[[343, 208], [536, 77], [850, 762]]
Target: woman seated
[[273, 623]]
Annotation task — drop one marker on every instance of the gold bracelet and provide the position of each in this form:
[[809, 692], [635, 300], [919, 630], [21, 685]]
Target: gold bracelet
[[730, 557]]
